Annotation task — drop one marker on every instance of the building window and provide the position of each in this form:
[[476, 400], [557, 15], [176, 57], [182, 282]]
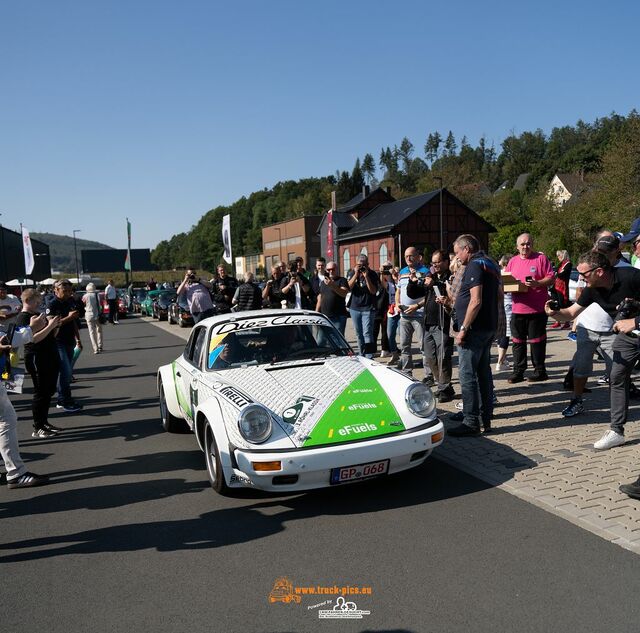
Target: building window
[[346, 261], [383, 253]]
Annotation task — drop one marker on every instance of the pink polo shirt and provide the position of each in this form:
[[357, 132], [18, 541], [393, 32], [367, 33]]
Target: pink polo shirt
[[538, 266]]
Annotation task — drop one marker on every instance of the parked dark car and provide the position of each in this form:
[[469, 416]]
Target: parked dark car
[[179, 313], [160, 307], [139, 295]]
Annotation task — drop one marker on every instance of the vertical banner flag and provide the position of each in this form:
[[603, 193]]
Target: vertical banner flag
[[226, 238], [330, 226], [29, 260], [127, 261]]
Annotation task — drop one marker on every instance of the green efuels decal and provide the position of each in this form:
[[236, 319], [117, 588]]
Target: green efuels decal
[[361, 411]]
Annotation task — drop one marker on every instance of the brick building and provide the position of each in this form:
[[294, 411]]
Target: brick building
[[378, 225]]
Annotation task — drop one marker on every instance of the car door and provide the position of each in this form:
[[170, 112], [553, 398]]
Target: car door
[[188, 372]]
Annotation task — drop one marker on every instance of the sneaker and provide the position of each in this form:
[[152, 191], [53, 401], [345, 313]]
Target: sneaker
[[384, 354], [603, 380], [575, 407], [43, 432], [72, 407], [556, 325], [28, 480], [459, 405], [53, 429], [429, 380], [633, 490], [446, 395], [457, 417], [572, 336], [504, 366], [514, 378], [609, 440], [462, 430], [538, 377]]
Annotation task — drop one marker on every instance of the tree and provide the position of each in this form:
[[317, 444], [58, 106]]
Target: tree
[[405, 152], [450, 145], [369, 167], [432, 146], [357, 179]]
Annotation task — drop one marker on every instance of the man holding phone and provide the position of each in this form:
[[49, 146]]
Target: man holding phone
[[528, 318], [63, 306]]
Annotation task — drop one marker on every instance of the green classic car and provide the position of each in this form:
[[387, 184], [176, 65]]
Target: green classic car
[[146, 307]]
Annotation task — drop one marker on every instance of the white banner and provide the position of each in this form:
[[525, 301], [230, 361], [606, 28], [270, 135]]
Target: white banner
[[226, 238], [29, 261]]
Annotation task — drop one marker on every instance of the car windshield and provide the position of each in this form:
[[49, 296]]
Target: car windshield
[[276, 344], [167, 295]]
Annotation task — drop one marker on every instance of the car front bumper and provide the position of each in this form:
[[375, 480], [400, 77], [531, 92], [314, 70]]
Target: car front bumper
[[312, 467]]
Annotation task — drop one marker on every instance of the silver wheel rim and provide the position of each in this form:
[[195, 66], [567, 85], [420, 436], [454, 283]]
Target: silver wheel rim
[[211, 456], [163, 405]]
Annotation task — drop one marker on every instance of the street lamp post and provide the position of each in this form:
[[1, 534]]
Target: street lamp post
[[75, 250], [441, 226]]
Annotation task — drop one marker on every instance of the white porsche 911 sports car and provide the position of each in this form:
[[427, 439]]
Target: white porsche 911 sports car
[[278, 401]]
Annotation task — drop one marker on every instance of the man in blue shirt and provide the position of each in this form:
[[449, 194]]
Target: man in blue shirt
[[411, 316], [476, 310]]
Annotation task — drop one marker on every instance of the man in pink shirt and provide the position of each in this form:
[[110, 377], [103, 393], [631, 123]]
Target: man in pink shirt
[[528, 318]]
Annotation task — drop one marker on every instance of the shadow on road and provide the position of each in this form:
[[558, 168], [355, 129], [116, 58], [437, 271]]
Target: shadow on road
[[430, 483]]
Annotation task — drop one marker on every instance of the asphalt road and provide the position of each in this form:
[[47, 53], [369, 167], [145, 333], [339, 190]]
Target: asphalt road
[[129, 535]]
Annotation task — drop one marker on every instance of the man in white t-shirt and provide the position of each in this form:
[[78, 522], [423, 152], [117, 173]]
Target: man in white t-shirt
[[10, 305]]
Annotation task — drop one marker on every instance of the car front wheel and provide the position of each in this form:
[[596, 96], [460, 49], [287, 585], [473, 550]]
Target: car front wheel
[[214, 466]]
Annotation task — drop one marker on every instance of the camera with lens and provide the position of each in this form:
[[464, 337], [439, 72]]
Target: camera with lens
[[628, 309], [191, 277], [554, 305]]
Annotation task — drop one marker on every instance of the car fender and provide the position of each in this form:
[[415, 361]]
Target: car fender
[[210, 413], [165, 373]]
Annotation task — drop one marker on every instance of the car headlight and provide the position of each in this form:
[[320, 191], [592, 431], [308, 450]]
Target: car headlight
[[420, 400], [255, 423]]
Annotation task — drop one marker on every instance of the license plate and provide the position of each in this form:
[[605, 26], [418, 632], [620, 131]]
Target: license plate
[[360, 471]]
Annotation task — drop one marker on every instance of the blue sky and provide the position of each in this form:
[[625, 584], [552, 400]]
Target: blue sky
[[160, 110]]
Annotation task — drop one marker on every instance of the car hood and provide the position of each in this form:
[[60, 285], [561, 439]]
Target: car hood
[[324, 402]]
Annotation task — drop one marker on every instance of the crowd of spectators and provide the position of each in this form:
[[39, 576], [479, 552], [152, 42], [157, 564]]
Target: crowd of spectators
[[457, 298]]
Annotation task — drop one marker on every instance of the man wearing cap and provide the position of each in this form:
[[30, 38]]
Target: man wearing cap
[[528, 318], [10, 306], [68, 337]]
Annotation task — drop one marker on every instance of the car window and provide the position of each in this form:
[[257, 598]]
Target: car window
[[195, 356], [265, 345]]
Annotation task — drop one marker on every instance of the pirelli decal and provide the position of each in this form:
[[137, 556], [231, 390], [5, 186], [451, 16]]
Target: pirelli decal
[[235, 396]]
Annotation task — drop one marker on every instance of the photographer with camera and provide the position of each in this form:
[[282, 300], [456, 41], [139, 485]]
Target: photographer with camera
[[363, 284], [295, 289], [331, 297], [198, 295], [606, 319]]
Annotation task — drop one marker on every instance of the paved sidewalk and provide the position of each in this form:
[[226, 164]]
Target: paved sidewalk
[[548, 460], [541, 457]]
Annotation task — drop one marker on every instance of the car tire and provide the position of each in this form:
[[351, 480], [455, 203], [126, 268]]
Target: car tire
[[214, 466], [170, 423], [181, 322], [169, 319]]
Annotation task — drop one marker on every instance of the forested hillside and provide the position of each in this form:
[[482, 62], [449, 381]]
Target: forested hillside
[[61, 250], [606, 154]]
